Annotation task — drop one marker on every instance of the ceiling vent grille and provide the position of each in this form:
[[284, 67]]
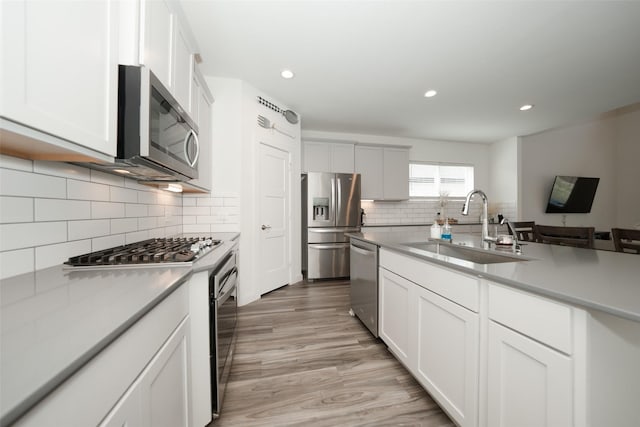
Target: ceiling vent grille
[[269, 105]]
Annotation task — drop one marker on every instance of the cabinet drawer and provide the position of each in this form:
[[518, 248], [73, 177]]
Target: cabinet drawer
[[457, 287], [539, 318]]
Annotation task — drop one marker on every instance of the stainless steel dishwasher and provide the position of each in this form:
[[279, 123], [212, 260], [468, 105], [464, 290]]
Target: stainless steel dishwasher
[[364, 283]]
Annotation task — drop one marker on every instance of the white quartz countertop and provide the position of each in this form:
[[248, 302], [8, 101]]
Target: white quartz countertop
[[54, 321], [602, 280]]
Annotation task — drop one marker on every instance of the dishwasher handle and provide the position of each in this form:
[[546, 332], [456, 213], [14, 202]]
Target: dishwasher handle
[[362, 250]]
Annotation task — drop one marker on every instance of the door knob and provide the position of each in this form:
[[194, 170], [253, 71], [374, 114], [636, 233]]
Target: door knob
[[264, 227]]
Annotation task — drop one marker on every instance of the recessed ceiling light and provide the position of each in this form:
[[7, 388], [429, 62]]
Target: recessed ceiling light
[[526, 107], [430, 93], [287, 74]]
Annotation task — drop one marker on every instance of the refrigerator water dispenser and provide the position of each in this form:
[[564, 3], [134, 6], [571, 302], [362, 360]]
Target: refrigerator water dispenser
[[320, 208]]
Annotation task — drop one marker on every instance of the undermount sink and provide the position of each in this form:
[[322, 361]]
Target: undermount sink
[[476, 255]]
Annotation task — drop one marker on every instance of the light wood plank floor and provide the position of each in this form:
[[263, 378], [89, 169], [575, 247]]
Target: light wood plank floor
[[302, 360]]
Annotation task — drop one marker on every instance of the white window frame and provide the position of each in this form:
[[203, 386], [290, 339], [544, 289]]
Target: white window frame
[[437, 179]]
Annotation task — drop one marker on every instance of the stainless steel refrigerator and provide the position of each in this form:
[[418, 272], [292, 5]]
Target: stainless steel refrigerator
[[330, 208]]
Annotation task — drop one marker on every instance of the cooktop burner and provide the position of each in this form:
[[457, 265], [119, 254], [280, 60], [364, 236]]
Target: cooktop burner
[[153, 251]]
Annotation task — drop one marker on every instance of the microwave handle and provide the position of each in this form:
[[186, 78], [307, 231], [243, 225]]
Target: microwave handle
[[192, 163]]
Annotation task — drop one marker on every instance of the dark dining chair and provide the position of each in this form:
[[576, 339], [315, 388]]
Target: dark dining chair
[[524, 230], [579, 237], [626, 240]]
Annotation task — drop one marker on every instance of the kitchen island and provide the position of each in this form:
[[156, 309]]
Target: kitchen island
[[58, 324], [549, 337]]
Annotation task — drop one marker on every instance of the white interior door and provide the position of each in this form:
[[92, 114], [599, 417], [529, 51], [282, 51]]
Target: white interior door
[[274, 189]]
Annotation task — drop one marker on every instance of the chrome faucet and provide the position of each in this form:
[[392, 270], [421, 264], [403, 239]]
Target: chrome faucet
[[515, 246], [486, 239]]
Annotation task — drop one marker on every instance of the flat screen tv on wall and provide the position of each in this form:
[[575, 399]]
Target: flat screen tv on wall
[[572, 194]]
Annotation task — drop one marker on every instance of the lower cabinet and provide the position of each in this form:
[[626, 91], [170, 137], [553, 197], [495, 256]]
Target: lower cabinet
[[141, 379], [447, 359], [529, 384], [489, 354], [436, 339]]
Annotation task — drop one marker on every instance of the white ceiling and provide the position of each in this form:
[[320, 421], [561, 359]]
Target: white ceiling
[[363, 66]]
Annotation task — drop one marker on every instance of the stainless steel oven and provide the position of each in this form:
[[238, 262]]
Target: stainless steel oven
[[223, 318]]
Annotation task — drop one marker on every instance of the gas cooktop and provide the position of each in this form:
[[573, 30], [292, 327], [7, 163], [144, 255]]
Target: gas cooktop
[[151, 252]]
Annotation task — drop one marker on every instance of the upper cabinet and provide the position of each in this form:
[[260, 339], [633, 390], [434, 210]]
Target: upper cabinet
[[59, 79], [384, 170], [320, 156], [165, 46], [201, 111]]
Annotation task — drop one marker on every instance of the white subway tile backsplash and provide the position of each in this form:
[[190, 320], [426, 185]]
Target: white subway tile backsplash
[[107, 178], [27, 184], [188, 219], [147, 223], [59, 210], [136, 236], [189, 201], [119, 194], [83, 190], [50, 211], [107, 210], [60, 169], [135, 210], [16, 163], [147, 197], [25, 235], [106, 242], [200, 210], [231, 201], [124, 225], [16, 262], [16, 209], [88, 229], [50, 255], [198, 228]]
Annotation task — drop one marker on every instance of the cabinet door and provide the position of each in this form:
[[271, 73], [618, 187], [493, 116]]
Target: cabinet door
[[128, 410], [156, 38], [317, 157], [447, 360], [165, 383], [529, 384], [369, 162], [205, 161], [396, 174], [342, 158], [396, 322], [60, 69], [182, 69]]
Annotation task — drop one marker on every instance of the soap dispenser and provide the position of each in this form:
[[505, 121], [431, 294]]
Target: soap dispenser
[[446, 230], [435, 230]]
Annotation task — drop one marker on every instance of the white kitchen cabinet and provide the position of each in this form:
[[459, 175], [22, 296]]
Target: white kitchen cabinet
[[396, 327], [369, 163], [396, 174], [328, 157], [447, 359], [60, 75], [156, 39], [529, 384], [202, 110], [436, 338], [142, 373], [182, 68], [384, 172]]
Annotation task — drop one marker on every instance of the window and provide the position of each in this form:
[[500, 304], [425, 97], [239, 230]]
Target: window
[[433, 179]]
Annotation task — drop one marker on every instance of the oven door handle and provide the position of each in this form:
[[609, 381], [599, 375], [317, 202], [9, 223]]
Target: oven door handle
[[228, 286]]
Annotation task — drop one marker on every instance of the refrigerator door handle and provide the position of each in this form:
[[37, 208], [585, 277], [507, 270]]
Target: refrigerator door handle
[[332, 207], [335, 230], [339, 198]]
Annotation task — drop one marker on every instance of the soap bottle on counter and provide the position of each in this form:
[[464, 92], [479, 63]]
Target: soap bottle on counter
[[435, 230], [446, 231]]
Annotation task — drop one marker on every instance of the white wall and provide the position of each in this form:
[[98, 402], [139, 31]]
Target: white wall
[[50, 211], [627, 165], [233, 203], [503, 177], [606, 148]]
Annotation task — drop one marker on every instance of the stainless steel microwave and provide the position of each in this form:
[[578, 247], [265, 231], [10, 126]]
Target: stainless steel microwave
[[157, 140]]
